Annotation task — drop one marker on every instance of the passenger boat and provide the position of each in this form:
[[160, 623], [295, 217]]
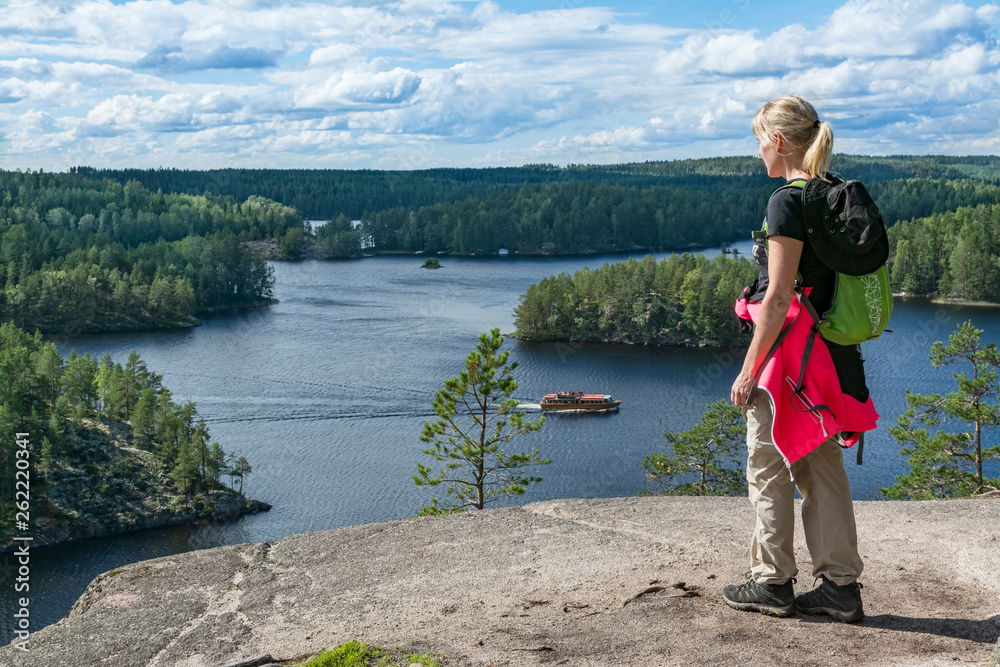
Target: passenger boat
[[577, 400]]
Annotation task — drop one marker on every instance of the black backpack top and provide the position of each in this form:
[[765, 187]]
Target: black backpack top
[[844, 225]]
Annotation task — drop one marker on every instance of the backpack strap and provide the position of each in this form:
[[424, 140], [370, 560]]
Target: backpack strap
[[762, 234], [810, 341]]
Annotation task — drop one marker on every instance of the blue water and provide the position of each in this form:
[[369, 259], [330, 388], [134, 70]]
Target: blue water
[[326, 393]]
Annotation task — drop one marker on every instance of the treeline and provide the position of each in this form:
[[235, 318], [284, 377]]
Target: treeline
[[954, 254], [568, 218], [900, 200], [681, 300], [594, 217], [82, 255], [324, 194], [53, 398], [578, 208]]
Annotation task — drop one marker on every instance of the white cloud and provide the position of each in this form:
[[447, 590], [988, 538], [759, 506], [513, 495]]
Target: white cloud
[[170, 112], [18, 90], [413, 82], [335, 53], [371, 85]]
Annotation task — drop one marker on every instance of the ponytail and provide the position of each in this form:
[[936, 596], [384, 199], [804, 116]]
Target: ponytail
[[799, 125], [817, 158]]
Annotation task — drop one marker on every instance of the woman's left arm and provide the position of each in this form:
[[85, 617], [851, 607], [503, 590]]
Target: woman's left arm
[[783, 255]]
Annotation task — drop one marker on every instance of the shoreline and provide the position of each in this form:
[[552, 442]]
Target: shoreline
[[114, 488], [610, 341], [945, 301], [268, 249], [233, 507], [165, 326]]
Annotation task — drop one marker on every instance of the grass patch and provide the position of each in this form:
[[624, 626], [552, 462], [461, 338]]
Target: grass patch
[[356, 654]]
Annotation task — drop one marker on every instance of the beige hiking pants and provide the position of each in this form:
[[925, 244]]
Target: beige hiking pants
[[827, 510]]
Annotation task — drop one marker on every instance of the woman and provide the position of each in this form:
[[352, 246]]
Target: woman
[[795, 145]]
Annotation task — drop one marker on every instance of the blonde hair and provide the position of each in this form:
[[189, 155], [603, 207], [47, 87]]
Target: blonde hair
[[801, 130]]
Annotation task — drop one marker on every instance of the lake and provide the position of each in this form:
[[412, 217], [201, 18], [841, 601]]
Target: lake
[[326, 393]]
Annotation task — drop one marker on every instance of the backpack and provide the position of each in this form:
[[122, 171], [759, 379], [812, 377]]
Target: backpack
[[846, 229]]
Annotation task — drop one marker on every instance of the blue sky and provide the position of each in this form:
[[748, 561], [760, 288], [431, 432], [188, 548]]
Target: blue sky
[[421, 83]]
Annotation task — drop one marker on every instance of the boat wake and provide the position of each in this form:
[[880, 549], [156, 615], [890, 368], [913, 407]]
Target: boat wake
[[581, 411], [529, 406]]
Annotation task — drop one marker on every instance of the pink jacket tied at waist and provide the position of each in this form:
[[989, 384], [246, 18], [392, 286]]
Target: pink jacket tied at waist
[[796, 430]]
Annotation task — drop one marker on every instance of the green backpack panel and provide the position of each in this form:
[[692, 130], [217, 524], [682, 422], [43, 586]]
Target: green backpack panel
[[860, 309]]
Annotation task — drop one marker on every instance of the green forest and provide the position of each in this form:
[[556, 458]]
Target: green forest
[[58, 402], [81, 255], [682, 300], [322, 194], [572, 209], [955, 254]]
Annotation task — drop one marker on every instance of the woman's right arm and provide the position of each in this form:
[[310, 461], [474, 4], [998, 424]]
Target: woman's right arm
[[783, 255]]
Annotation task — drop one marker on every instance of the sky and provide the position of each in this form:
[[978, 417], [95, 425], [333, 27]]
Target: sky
[[416, 84]]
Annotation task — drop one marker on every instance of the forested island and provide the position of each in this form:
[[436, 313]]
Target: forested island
[[81, 255], [107, 450], [687, 300], [682, 300]]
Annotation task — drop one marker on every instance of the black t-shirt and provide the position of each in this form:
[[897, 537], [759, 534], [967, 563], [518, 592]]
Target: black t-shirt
[[784, 218]]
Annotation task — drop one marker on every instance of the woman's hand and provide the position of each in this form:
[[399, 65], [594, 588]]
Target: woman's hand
[[742, 389]]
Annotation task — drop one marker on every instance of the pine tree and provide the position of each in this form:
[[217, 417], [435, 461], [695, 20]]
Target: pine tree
[[230, 469], [705, 460], [135, 379], [949, 463], [200, 450], [216, 465], [144, 418], [185, 471], [50, 368], [111, 387], [240, 469], [79, 385], [468, 441]]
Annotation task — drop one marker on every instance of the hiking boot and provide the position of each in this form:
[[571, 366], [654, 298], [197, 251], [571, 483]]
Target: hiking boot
[[775, 599], [843, 603]]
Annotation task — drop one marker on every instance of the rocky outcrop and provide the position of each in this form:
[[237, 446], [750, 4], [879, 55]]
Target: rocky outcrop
[[632, 581], [112, 488], [212, 506]]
